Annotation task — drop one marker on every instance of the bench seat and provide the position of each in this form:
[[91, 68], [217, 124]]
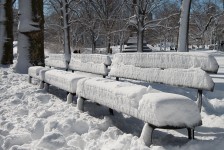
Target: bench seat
[[37, 72], [158, 109], [65, 80], [34, 71], [80, 66], [52, 61]]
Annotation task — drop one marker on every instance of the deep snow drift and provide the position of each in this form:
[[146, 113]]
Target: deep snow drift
[[33, 119]]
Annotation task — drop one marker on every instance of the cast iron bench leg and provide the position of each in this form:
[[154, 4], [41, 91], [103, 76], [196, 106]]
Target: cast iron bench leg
[[190, 133], [111, 111]]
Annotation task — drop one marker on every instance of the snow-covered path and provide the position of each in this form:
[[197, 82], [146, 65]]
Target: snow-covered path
[[30, 118]]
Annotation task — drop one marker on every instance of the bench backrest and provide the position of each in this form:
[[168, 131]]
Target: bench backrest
[[56, 61], [92, 63], [173, 68]]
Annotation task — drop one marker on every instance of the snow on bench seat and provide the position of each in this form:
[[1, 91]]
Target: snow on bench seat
[[65, 80], [113, 94], [166, 109], [53, 60], [162, 110], [84, 65], [34, 71]]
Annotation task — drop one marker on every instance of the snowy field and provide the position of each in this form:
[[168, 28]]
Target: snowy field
[[34, 119]]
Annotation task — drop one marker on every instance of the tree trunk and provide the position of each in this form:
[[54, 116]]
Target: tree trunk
[[184, 26], [31, 37], [109, 51], [66, 28], [6, 32], [93, 43], [140, 41], [140, 24]]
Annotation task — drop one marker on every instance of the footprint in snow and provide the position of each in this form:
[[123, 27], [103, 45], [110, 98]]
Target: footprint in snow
[[43, 98], [52, 141]]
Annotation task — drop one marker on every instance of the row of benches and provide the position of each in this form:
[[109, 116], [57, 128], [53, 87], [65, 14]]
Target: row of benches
[[85, 76]]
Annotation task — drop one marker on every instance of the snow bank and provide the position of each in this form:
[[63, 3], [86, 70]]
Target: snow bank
[[168, 60], [160, 109], [193, 77]]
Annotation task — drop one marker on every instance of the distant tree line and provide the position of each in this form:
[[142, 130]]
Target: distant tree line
[[76, 24]]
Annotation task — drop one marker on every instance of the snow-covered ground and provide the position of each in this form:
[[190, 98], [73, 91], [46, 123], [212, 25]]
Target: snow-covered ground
[[34, 119]]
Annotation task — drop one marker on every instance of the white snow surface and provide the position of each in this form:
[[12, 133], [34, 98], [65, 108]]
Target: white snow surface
[[193, 77], [33, 119], [93, 63], [166, 60], [56, 61], [95, 58], [120, 96], [37, 72], [159, 109], [166, 109], [65, 80]]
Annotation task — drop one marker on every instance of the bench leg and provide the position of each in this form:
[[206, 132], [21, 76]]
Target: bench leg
[[41, 85], [111, 111], [80, 104], [190, 133], [30, 79], [69, 98], [46, 87], [199, 99], [146, 135]]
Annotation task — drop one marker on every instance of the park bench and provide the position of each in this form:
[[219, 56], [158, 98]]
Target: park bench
[[80, 66], [157, 110], [53, 61]]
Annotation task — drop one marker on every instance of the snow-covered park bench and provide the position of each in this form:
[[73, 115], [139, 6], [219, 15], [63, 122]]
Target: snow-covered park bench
[[157, 110], [80, 66], [53, 61]]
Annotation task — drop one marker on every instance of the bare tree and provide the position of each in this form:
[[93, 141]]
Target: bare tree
[[107, 12], [206, 19], [88, 20], [142, 18]]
